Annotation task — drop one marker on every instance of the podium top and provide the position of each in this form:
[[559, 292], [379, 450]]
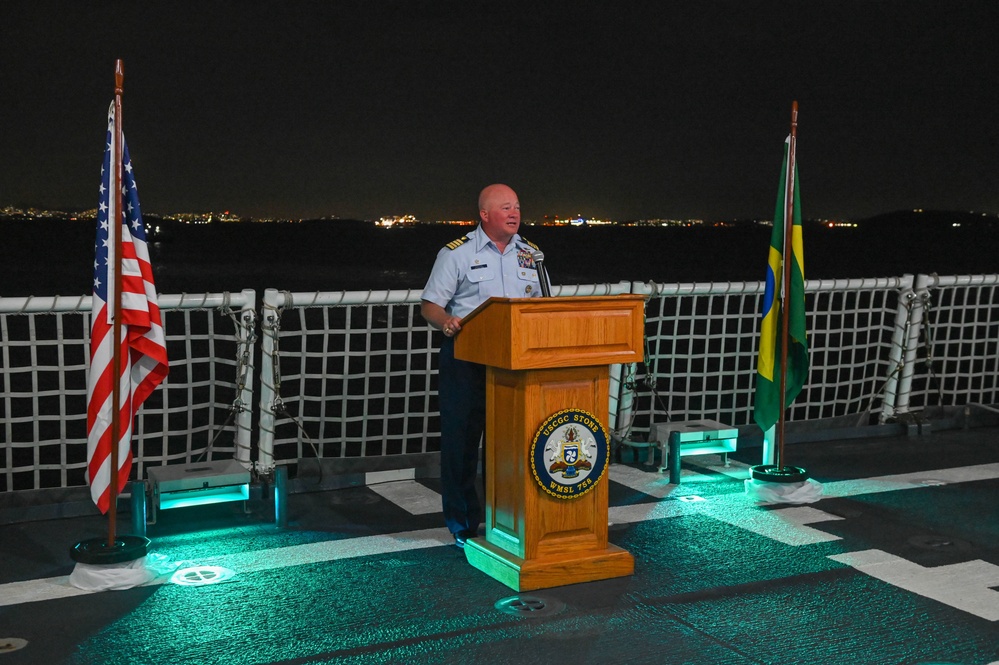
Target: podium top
[[573, 331]]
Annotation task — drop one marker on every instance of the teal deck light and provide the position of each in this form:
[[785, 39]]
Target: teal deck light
[[198, 484]]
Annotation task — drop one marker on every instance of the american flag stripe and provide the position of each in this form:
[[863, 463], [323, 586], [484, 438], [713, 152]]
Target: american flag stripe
[[142, 346]]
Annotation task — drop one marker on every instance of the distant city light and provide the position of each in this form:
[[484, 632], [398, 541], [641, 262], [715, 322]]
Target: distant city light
[[403, 220], [159, 223]]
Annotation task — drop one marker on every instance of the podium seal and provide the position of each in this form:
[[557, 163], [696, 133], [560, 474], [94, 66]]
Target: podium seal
[[570, 453]]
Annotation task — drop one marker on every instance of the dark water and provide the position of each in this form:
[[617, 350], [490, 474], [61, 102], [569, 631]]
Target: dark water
[[56, 258]]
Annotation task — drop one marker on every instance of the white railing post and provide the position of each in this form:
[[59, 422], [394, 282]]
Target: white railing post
[[897, 353], [246, 339], [270, 325], [921, 292]]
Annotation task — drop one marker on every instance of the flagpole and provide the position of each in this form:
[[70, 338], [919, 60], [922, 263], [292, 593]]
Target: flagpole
[[778, 472], [786, 281], [114, 549], [119, 76]]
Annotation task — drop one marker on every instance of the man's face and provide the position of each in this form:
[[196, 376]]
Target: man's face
[[501, 214]]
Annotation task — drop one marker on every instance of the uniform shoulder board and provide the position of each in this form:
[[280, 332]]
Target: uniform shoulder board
[[529, 242], [454, 244]]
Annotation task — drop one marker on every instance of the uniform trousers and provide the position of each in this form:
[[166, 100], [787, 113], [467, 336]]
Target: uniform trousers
[[461, 390]]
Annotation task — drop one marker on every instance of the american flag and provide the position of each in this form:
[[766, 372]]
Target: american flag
[[143, 345]]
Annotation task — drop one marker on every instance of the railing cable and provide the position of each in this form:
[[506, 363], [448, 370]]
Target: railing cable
[[277, 404], [244, 348]]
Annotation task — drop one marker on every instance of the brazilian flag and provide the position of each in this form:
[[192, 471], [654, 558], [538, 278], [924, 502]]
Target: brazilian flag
[[767, 405]]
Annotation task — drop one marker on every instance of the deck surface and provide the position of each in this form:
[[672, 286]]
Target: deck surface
[[897, 563]]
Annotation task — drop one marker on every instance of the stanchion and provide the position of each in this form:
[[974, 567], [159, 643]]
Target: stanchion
[[138, 507], [281, 497]]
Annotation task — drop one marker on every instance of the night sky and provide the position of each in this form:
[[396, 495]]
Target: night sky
[[606, 109]]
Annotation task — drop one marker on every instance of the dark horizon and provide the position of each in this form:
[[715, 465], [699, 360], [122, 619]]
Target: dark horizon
[[596, 108], [359, 256]]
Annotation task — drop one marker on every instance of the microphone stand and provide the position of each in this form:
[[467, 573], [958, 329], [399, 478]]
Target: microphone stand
[[539, 262]]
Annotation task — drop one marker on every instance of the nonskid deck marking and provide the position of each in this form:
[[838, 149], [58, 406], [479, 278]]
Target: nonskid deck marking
[[647, 482], [413, 497], [789, 524], [786, 525], [964, 586], [783, 524], [331, 550], [908, 481], [51, 588]]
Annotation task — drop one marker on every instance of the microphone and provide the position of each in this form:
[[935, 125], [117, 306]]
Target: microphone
[[539, 261]]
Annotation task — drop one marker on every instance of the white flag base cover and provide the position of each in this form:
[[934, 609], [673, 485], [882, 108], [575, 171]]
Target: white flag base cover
[[762, 491], [120, 576]]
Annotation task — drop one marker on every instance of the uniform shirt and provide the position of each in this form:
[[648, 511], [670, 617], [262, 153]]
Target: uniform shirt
[[471, 270]]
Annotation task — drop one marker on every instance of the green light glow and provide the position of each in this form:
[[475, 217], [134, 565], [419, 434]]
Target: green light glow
[[204, 497], [705, 447]]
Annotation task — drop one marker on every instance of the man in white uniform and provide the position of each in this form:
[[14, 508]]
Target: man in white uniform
[[492, 260]]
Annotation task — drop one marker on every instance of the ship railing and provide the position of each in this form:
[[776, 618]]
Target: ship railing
[[350, 377], [703, 344], [200, 412], [353, 375], [951, 358]]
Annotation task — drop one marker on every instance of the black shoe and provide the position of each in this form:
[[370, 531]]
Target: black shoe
[[461, 537]]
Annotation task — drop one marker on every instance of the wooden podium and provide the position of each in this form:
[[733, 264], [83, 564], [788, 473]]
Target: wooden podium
[[542, 356]]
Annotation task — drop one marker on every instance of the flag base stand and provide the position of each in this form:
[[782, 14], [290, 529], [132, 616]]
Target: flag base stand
[[778, 474], [97, 551]]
